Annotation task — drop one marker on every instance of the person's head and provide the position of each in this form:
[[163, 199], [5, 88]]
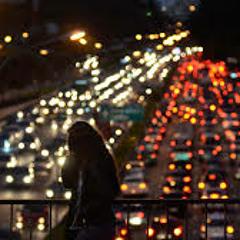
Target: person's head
[[85, 143]]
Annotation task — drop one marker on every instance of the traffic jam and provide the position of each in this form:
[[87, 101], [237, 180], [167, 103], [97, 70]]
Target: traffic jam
[[192, 139]]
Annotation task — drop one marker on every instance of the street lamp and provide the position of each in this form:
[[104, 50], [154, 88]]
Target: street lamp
[[192, 8], [98, 45], [25, 35], [44, 52], [77, 35]]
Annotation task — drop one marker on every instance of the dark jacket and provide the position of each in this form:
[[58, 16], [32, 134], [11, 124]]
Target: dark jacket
[[100, 187]]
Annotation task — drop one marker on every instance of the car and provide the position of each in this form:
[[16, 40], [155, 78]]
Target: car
[[42, 165], [56, 190], [20, 175], [36, 215], [165, 228], [134, 184], [121, 231], [29, 143], [175, 166]]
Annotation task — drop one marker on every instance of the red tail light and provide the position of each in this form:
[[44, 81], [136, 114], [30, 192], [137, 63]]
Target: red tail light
[[140, 215], [212, 177], [118, 215], [189, 143], [158, 113], [141, 148], [216, 137], [201, 152], [187, 189], [233, 156]]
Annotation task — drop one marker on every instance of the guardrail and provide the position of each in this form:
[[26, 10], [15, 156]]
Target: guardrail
[[147, 205]]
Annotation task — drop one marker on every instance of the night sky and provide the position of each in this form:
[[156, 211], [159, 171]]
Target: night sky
[[215, 25]]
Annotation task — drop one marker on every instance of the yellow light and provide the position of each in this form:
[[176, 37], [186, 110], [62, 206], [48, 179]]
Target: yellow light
[[83, 41], [201, 185], [230, 230], [98, 45], [138, 37], [25, 35], [77, 35], [159, 47], [44, 52], [124, 187], [162, 35], [8, 39], [192, 8], [137, 54]]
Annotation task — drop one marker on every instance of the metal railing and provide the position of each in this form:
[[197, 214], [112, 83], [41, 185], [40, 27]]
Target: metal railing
[[147, 205]]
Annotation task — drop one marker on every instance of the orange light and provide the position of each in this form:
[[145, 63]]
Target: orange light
[[233, 146], [150, 232], [166, 189], [187, 189], [189, 143], [154, 121], [219, 148], [177, 231], [119, 238], [172, 166], [124, 187], [223, 185], [212, 177], [158, 113], [172, 155], [214, 196], [216, 137], [187, 179], [204, 197], [233, 155], [201, 185], [173, 143], [224, 197], [214, 152], [163, 220], [214, 121], [234, 115], [123, 232], [142, 185], [190, 155], [188, 166], [202, 122], [201, 152]]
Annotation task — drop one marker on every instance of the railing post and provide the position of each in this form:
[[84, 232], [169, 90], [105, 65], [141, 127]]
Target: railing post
[[148, 220], [11, 221], [225, 221], [50, 220], [206, 223]]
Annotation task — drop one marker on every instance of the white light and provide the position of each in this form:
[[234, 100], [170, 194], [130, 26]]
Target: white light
[[69, 111], [68, 195], [61, 161], [45, 153], [40, 120], [54, 126], [20, 114], [29, 130], [80, 111], [92, 122], [45, 111], [43, 102], [19, 225], [41, 227], [118, 132], [92, 104], [33, 145], [68, 94], [95, 79], [141, 79], [9, 179], [135, 221], [70, 104], [21, 145], [148, 91], [111, 140], [60, 94], [27, 179], [77, 64], [49, 193]]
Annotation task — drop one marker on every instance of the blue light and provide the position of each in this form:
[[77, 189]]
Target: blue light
[[233, 75], [87, 109]]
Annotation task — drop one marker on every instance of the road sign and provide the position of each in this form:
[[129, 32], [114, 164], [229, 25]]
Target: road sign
[[133, 113]]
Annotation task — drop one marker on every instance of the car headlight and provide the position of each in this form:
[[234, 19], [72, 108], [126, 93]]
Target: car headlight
[[40, 120], [21, 145], [19, 225], [68, 195], [41, 226], [49, 165], [27, 179], [9, 179], [54, 126], [61, 161], [11, 164], [49, 193], [29, 130], [33, 145], [45, 153], [41, 220], [135, 221]]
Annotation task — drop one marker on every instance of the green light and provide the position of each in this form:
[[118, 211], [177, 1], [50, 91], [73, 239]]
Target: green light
[[149, 14]]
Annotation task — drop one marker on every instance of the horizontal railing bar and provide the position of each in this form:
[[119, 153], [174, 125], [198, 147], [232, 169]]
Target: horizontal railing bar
[[128, 201]]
